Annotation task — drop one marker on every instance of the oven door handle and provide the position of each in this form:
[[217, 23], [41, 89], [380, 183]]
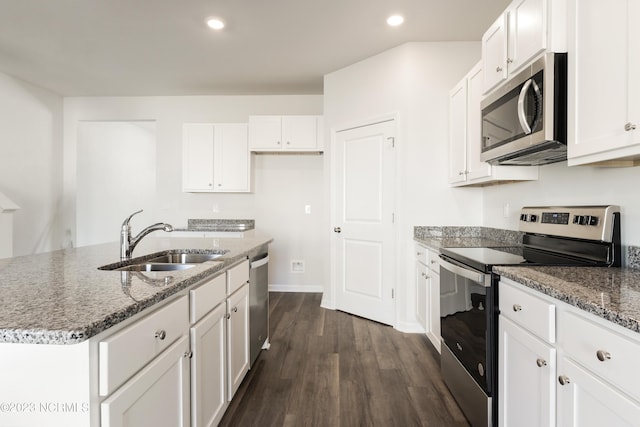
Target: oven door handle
[[465, 272]]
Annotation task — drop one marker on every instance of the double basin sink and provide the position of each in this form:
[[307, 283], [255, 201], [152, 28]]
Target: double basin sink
[[170, 262]]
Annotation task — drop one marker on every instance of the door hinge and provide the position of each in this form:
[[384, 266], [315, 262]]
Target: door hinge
[[393, 218], [392, 294], [393, 141]]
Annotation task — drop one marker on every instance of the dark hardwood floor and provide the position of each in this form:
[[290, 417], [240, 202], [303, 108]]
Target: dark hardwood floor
[[329, 368]]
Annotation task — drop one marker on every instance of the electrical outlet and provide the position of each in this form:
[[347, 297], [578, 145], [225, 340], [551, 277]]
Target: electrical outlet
[[216, 208], [297, 266], [307, 209]]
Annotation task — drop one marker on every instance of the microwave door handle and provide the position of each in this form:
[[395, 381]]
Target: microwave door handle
[[521, 114]]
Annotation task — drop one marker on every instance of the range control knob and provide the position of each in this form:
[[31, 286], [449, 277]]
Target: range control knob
[[593, 220], [533, 218], [523, 217], [576, 219]]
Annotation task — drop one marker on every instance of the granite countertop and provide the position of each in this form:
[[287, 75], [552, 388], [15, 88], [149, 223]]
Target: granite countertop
[[437, 243], [62, 297], [610, 293]]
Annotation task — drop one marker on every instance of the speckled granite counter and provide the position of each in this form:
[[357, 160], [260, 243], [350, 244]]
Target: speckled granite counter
[[610, 293], [465, 237], [61, 297]]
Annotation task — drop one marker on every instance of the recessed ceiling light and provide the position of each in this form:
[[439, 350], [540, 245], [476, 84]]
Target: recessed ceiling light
[[215, 23], [395, 20]]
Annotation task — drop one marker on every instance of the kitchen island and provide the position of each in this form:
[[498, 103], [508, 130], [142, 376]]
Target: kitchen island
[[58, 307]]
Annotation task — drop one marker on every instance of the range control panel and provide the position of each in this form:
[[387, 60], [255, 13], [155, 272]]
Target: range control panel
[[583, 222]]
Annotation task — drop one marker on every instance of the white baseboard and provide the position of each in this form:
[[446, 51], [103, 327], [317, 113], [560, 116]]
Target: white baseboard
[[295, 288], [410, 328]]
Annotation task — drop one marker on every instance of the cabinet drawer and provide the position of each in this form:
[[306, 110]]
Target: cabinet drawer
[[532, 313], [421, 253], [127, 351], [237, 276], [587, 342], [206, 296]]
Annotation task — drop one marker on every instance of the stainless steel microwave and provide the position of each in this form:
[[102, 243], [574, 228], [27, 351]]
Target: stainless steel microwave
[[524, 122]]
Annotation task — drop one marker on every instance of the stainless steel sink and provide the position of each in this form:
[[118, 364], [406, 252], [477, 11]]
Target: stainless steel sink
[[186, 258], [155, 267]]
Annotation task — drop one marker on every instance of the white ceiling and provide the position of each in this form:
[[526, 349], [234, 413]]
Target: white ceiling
[[163, 47]]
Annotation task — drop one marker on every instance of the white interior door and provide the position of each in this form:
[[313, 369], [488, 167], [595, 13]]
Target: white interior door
[[364, 231]]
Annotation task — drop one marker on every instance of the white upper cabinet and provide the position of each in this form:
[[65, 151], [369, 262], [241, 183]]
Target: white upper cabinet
[[215, 157], [285, 133], [604, 88], [525, 29], [465, 137]]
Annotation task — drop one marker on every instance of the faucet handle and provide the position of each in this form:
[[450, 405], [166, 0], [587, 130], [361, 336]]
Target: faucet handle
[[126, 221]]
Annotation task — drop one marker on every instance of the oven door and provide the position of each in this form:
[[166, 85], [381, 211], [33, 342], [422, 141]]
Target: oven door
[[468, 324]]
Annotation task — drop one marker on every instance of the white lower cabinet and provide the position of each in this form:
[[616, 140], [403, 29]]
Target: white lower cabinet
[[427, 304], [595, 381], [237, 338], [527, 378], [584, 400], [156, 396], [209, 369]]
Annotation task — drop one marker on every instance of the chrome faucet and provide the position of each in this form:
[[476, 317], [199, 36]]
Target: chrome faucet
[[127, 243]]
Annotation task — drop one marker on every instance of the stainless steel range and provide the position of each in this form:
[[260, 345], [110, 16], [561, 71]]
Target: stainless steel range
[[576, 235]]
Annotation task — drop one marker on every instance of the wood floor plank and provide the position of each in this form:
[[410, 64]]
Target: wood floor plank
[[330, 368]]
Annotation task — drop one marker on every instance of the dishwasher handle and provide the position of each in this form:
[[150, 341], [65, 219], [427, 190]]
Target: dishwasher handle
[[259, 262]]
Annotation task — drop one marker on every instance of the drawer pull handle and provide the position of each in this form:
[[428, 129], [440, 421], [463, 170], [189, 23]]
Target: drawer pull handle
[[161, 335], [603, 356], [517, 307], [541, 363], [563, 380]]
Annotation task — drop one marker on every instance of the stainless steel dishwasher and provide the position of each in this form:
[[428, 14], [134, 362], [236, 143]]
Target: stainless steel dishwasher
[[258, 305]]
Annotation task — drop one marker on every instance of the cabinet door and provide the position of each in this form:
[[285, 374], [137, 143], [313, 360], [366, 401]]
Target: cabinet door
[[475, 167], [458, 132], [586, 401], [208, 369], [265, 132], [527, 32], [299, 132], [601, 91], [494, 53], [527, 378], [237, 338], [155, 397], [197, 157], [231, 158], [433, 310], [421, 294]]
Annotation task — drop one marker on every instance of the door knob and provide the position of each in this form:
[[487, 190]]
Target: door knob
[[337, 229]]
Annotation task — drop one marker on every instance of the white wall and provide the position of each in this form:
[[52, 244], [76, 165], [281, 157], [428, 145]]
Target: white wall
[[563, 185], [411, 81], [31, 163], [283, 185]]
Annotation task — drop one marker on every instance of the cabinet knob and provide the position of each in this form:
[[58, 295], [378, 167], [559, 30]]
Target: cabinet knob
[[234, 309], [461, 173], [288, 142], [563, 380], [188, 354], [541, 362], [227, 316], [219, 185], [509, 60], [337, 230], [629, 126], [603, 356], [278, 142], [419, 253], [498, 69], [161, 335], [210, 184], [517, 307]]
